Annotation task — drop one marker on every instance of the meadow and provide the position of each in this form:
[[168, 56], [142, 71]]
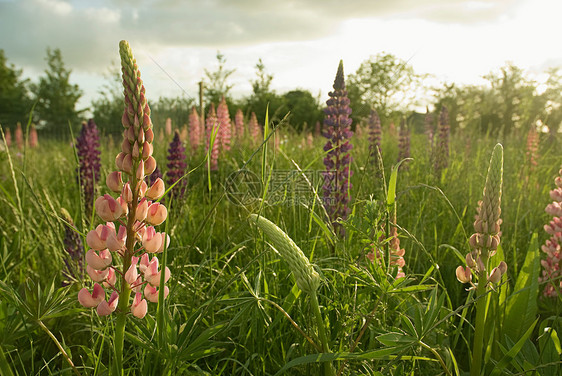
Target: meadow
[[234, 305]]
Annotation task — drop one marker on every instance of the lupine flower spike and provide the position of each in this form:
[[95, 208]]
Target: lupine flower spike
[[74, 261], [375, 136], [337, 129], [176, 166], [135, 239], [33, 138], [8, 136], [225, 126], [552, 248], [429, 129], [194, 130], [211, 129], [239, 124], [19, 136], [532, 148], [168, 127], [403, 144], [88, 151], [255, 129], [441, 155]]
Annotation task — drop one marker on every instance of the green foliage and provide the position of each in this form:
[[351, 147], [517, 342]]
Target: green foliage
[[15, 103], [108, 109], [56, 97], [383, 82], [304, 109], [216, 85]]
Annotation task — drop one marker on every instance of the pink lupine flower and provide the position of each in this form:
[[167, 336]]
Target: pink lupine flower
[[8, 137], [239, 124], [168, 127], [194, 130], [19, 136], [139, 306], [255, 129], [107, 307], [133, 209], [225, 126], [33, 139], [552, 248], [91, 300], [212, 125], [532, 147], [98, 261], [108, 208], [464, 274], [151, 293]]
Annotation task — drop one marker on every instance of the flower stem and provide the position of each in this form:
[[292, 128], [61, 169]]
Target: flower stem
[[328, 370], [478, 342]]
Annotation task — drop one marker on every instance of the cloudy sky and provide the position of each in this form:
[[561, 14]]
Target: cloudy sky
[[299, 41]]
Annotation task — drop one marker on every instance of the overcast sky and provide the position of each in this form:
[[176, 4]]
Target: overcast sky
[[300, 42]]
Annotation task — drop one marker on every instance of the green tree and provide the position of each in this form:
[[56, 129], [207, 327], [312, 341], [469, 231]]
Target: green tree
[[263, 97], [384, 82], [216, 85], [55, 96], [14, 96], [108, 109], [304, 109]]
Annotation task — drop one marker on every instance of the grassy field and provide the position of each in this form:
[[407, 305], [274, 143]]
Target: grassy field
[[234, 307]]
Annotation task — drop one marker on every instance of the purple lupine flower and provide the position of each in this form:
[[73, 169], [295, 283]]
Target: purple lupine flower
[[375, 136], [176, 166], [441, 155], [553, 247], [337, 129], [74, 260], [88, 150], [403, 144]]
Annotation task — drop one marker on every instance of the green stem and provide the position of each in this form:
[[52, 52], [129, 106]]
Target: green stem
[[61, 349], [328, 370], [478, 342]]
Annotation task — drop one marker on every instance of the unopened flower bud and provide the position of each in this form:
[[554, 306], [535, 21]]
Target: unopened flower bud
[[127, 166], [119, 160], [149, 135], [135, 153], [502, 267], [142, 187], [149, 165], [123, 204], [147, 150], [470, 261], [142, 210], [127, 194], [140, 170], [126, 146], [110, 279]]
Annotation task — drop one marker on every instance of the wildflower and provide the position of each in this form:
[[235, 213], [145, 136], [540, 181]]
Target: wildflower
[[337, 129], [403, 144], [375, 136], [552, 248], [33, 138], [532, 148], [19, 136], [176, 166], [239, 124], [168, 127], [194, 130], [74, 260], [8, 137], [225, 127], [255, 129], [212, 125], [485, 241], [441, 155], [429, 129], [135, 162], [88, 151]]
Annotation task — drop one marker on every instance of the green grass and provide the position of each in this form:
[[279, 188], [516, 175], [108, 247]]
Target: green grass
[[234, 307]]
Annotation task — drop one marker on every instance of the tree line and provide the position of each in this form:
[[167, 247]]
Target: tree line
[[507, 102]]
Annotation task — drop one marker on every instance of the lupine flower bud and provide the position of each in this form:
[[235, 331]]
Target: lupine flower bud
[[142, 210], [19, 136], [337, 128], [96, 239], [306, 277], [149, 165], [33, 138], [8, 137], [107, 307], [211, 128], [495, 275], [152, 275], [91, 300], [127, 165], [110, 279]]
